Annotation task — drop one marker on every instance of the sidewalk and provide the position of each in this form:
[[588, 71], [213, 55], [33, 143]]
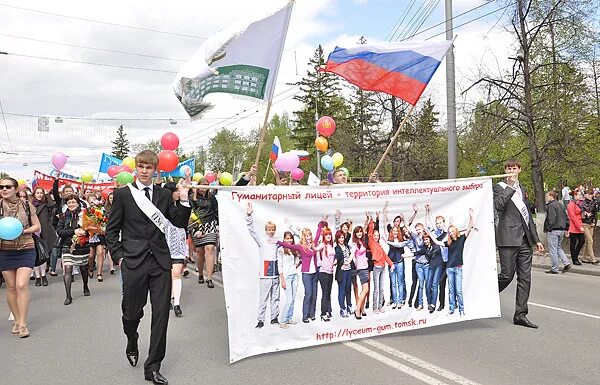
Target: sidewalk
[[543, 262]]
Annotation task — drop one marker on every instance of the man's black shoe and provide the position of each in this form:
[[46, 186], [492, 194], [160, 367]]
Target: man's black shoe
[[566, 268], [577, 263], [551, 272], [260, 324], [523, 321], [156, 378], [177, 310], [131, 352], [274, 321]]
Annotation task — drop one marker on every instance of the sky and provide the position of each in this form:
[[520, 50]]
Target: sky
[[103, 97]]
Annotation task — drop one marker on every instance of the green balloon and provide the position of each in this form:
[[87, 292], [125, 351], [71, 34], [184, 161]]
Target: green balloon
[[124, 177], [226, 179], [345, 170]]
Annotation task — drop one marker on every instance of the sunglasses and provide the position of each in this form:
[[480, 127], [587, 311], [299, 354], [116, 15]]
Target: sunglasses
[[6, 186]]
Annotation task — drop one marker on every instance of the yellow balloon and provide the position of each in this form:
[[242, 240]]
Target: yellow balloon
[[87, 177], [129, 161], [22, 182], [197, 177], [338, 159]]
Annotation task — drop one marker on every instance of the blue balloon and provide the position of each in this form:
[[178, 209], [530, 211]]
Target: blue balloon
[[10, 228], [327, 162]]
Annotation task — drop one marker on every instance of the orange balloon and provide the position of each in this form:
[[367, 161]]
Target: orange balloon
[[321, 144]]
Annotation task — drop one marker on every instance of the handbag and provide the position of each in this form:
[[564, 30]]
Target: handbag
[[41, 251]]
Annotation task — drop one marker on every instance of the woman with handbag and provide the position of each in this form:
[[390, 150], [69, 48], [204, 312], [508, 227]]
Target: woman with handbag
[[44, 209], [74, 241], [17, 256]]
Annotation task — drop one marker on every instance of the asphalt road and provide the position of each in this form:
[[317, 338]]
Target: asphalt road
[[83, 344]]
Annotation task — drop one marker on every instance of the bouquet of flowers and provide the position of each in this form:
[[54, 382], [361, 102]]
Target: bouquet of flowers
[[94, 220]]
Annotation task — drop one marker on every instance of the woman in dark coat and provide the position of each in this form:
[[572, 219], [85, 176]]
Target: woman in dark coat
[[44, 208]]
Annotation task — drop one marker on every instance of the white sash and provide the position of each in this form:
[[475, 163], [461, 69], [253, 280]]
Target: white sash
[[518, 201], [148, 208]]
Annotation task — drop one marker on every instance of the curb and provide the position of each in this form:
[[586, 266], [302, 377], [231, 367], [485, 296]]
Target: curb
[[574, 269]]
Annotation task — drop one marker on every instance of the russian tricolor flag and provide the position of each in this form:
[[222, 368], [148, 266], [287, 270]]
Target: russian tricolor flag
[[275, 149], [400, 69]]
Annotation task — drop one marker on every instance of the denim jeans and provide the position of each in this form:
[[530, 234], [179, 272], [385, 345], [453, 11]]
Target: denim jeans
[[55, 253], [423, 276], [345, 284], [455, 288], [377, 286], [555, 238], [398, 284], [309, 304], [433, 284], [291, 287]]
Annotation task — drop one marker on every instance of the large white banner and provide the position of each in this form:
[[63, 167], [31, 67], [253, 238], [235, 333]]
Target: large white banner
[[253, 286]]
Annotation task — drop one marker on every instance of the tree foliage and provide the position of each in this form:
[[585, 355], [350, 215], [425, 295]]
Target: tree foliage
[[120, 147]]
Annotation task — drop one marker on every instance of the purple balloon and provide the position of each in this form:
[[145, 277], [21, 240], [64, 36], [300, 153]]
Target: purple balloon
[[297, 174], [330, 176], [287, 162], [59, 160]]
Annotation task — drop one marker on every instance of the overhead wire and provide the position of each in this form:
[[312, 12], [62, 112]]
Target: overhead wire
[[401, 18]]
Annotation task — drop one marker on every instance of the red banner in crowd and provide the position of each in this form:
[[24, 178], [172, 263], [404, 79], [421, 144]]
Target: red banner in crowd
[[46, 182]]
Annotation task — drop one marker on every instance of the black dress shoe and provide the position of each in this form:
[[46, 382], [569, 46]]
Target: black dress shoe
[[156, 378], [440, 308], [177, 310], [566, 268], [577, 263], [551, 272], [131, 352], [523, 321]]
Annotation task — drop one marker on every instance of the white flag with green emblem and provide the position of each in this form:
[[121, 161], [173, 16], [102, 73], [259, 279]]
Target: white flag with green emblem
[[242, 59]]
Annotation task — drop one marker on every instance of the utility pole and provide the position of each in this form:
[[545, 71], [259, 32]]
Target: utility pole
[[451, 97]]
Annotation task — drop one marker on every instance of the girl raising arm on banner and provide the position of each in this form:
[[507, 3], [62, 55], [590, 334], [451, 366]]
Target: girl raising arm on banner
[[359, 250], [287, 261], [326, 262], [344, 259], [456, 245], [380, 258]]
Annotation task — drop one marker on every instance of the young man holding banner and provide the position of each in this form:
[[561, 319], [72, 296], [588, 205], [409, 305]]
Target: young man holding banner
[[135, 236], [515, 236]]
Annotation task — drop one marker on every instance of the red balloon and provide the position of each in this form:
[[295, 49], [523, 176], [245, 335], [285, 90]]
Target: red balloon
[[210, 177], [106, 192], [123, 168], [113, 171], [167, 161], [326, 126], [169, 141]]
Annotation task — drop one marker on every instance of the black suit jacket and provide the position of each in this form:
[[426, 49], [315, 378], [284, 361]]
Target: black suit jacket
[[511, 225], [138, 234]]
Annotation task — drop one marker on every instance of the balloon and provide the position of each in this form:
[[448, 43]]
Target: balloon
[[326, 126], [338, 159], [287, 162], [345, 170], [124, 168], [87, 177], [167, 160], [124, 177], [197, 177], [270, 185], [129, 161], [327, 162], [22, 182], [106, 192], [183, 170], [226, 179], [321, 144], [210, 177], [113, 171], [330, 176], [169, 141], [297, 174], [59, 160], [10, 228]]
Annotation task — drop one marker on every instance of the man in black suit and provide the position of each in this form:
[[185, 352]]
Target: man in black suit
[[515, 236], [140, 247]]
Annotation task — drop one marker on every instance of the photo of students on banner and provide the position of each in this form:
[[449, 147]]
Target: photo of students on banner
[[294, 278]]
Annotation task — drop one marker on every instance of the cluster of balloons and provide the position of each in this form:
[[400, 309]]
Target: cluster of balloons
[[289, 162], [326, 128], [167, 158], [330, 162], [10, 228]]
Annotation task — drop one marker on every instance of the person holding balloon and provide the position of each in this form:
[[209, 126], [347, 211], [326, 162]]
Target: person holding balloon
[[17, 251]]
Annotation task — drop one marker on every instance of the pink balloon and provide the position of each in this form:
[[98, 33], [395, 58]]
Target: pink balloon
[[297, 174], [210, 177], [287, 162], [113, 171], [59, 160], [123, 168]]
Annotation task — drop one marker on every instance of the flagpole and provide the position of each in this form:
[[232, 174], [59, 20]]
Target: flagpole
[[266, 171], [394, 138], [272, 90]]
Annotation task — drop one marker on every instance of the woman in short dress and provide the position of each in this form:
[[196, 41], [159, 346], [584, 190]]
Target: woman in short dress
[[74, 241], [206, 231], [17, 257]]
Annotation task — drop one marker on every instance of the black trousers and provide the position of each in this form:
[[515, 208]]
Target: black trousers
[[326, 281], [516, 259], [576, 242], [149, 276], [442, 291]]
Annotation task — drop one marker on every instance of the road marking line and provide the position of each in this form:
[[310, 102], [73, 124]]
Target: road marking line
[[394, 364], [421, 363], [565, 310]]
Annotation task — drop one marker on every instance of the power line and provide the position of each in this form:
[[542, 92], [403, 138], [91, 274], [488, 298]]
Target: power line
[[102, 22], [399, 22], [89, 63], [92, 48], [105, 118]]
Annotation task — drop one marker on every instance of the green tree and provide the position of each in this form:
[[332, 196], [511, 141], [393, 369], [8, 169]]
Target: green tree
[[120, 147], [226, 149]]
